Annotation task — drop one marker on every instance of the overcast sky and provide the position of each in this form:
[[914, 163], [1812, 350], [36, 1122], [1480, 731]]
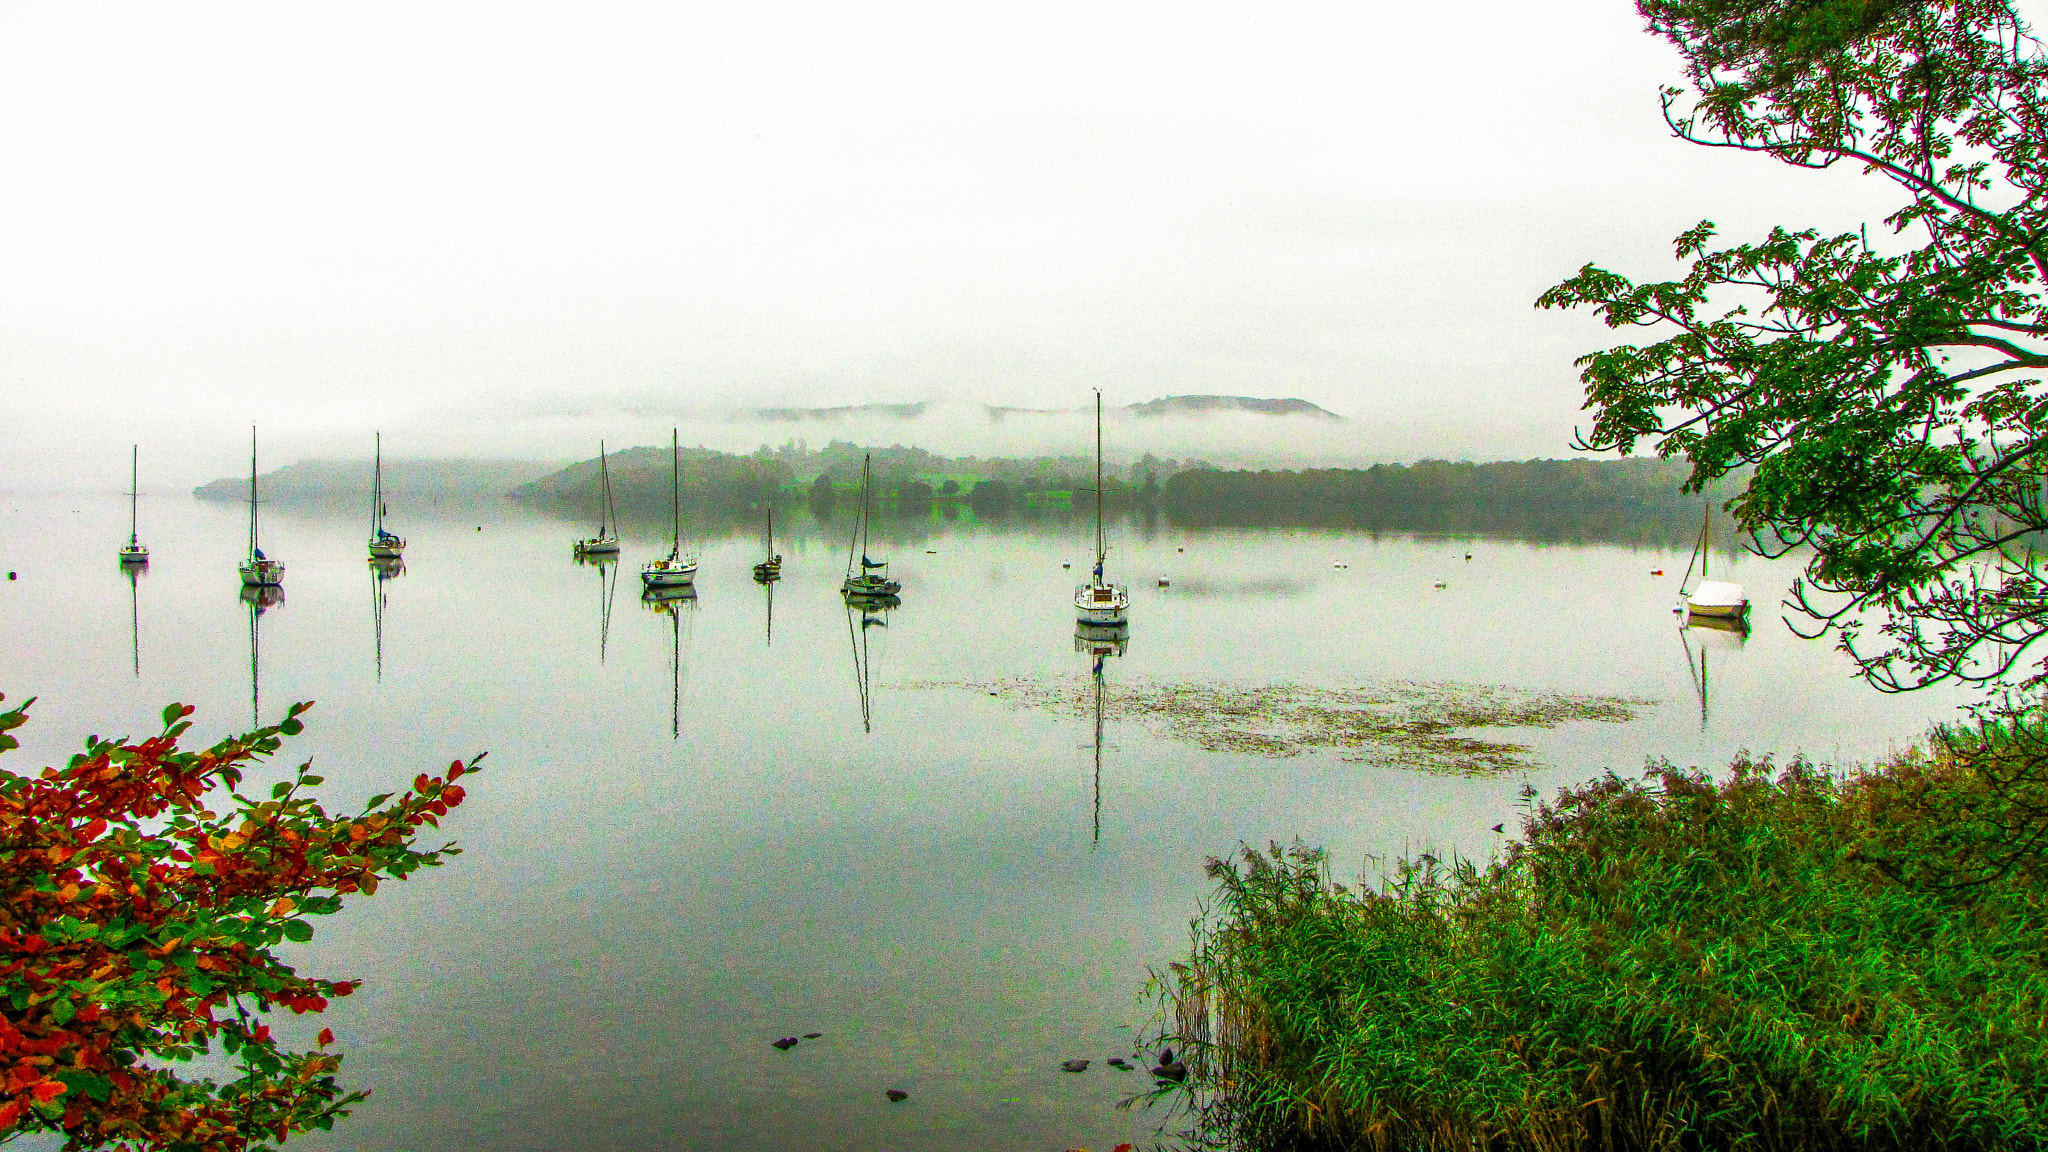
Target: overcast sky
[[507, 229]]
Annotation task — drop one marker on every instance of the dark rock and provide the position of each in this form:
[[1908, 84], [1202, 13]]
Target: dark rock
[[1120, 1062], [896, 1095], [1166, 1055], [1175, 1071], [786, 1043], [1074, 1065], [812, 1035]]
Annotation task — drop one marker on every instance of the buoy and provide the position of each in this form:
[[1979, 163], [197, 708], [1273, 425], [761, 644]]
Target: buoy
[[1441, 584], [1656, 571], [1163, 583]]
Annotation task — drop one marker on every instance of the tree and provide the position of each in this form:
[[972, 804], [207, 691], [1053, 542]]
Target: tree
[[137, 928], [1882, 389]]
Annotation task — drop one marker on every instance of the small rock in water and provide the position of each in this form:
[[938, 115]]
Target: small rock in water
[[786, 1043], [812, 1035], [1075, 1065], [1174, 1071], [896, 1095], [1119, 1062], [1498, 827], [1166, 1055]]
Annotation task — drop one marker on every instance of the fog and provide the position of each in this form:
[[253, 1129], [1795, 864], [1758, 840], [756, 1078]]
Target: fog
[[509, 230]]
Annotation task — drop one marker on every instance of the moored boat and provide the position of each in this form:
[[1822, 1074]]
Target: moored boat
[[673, 570], [257, 570]]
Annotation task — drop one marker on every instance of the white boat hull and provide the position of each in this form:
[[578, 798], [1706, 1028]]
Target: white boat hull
[[262, 573], [1718, 598], [598, 546], [134, 554], [389, 548], [669, 574], [869, 586], [1101, 604]]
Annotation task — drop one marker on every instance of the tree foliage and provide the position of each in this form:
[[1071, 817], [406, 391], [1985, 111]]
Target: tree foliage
[[1882, 389], [143, 895]]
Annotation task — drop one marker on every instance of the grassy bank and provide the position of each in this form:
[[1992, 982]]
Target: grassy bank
[[1780, 960]]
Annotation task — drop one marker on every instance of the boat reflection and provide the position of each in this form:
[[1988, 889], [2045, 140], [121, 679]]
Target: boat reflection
[[383, 569], [1720, 633], [677, 602], [131, 570], [1102, 639], [607, 565], [260, 598], [863, 613]]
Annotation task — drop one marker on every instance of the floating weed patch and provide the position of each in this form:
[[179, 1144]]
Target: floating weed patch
[[1396, 724]]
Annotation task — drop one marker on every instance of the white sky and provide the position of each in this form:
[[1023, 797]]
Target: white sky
[[506, 229]]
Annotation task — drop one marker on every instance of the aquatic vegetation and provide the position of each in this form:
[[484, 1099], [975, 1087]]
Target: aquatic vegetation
[[1674, 964], [1395, 724]]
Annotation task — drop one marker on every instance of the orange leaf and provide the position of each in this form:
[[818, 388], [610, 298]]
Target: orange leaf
[[420, 782], [47, 1090]]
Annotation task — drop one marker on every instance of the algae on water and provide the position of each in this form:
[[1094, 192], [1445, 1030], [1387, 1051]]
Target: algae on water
[[1396, 724]]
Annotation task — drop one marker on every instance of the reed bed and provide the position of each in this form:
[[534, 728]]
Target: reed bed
[[1675, 963]]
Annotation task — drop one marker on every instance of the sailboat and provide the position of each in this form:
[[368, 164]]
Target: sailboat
[[1100, 602], [258, 570], [606, 542], [1716, 600], [383, 545], [871, 581], [672, 571], [133, 552], [771, 568]]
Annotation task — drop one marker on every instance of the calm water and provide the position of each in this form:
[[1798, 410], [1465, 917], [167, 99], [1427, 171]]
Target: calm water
[[672, 862]]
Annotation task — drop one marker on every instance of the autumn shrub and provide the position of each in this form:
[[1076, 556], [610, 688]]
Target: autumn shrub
[[1674, 963], [141, 896]]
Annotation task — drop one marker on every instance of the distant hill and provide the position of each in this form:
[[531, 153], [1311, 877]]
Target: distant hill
[[1204, 405], [324, 481], [898, 411]]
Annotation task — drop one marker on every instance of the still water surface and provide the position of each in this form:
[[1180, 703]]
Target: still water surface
[[688, 840]]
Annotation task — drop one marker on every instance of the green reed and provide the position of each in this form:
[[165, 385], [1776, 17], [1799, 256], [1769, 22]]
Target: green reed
[[1677, 963]]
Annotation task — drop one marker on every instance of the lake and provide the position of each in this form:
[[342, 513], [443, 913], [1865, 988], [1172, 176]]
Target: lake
[[695, 835]]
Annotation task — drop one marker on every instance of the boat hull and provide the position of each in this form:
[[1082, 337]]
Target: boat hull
[[868, 587], [598, 546], [664, 574], [1101, 604], [262, 573], [389, 548], [135, 554]]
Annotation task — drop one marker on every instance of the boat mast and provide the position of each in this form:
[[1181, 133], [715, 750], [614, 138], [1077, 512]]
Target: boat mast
[[867, 505], [1098, 486], [675, 499], [604, 494], [252, 491], [134, 457], [377, 490]]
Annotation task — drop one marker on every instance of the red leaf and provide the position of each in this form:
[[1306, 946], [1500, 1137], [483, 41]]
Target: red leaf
[[420, 782], [455, 770], [452, 795], [10, 1115], [326, 1037], [46, 1091]]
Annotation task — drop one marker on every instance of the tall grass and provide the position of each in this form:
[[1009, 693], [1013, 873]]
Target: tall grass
[[1676, 963]]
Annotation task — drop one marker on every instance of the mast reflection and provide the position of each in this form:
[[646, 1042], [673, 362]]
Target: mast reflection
[[1099, 642], [1728, 634], [132, 570], [260, 598], [675, 602], [863, 613], [607, 565], [383, 569]]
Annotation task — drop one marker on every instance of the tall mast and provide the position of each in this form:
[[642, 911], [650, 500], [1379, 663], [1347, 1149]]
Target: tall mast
[[867, 502], [675, 499], [134, 458], [604, 494], [1098, 484], [1706, 541], [377, 489], [252, 492]]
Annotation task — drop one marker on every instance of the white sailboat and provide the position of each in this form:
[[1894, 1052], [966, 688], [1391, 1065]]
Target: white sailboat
[[258, 570], [133, 552], [383, 544], [1099, 602], [1713, 599], [674, 570], [606, 542], [871, 580]]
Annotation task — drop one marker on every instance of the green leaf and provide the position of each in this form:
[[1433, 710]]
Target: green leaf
[[291, 727], [298, 931], [62, 1010]]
